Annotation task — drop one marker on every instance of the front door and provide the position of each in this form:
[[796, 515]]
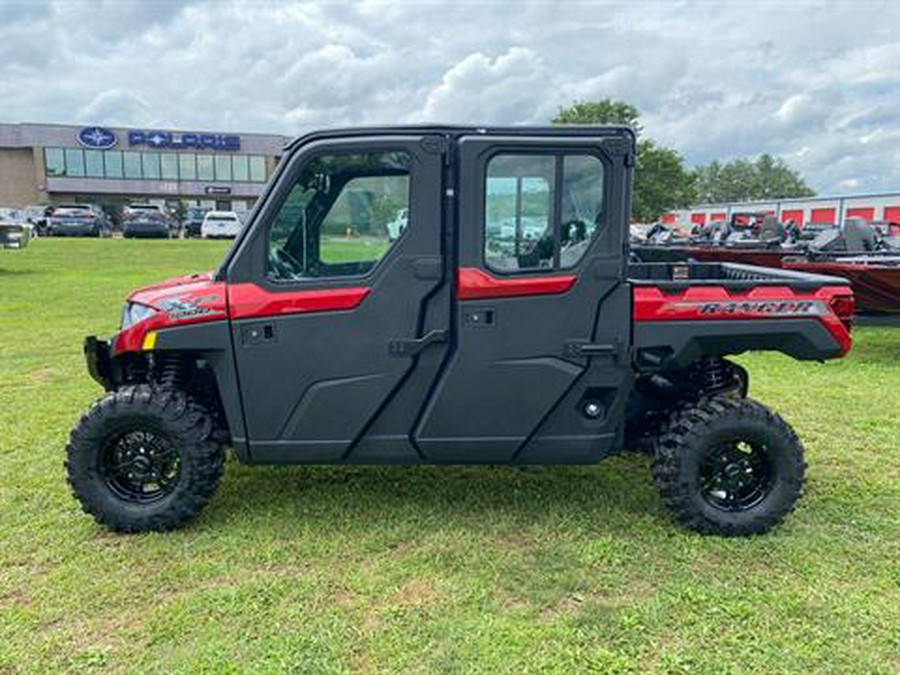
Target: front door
[[540, 369], [340, 302]]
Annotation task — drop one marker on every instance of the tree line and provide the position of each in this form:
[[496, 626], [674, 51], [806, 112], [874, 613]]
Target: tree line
[[663, 183]]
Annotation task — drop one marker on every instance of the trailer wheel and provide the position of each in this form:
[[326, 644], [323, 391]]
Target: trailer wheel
[[143, 459], [728, 466]]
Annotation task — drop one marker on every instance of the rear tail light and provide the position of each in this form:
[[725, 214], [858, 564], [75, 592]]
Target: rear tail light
[[845, 307]]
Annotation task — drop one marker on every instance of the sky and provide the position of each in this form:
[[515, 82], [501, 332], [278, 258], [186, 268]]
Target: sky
[[815, 83]]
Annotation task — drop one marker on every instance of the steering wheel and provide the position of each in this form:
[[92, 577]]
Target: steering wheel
[[283, 263]]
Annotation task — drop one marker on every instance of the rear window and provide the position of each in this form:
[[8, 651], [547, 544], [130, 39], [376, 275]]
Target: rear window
[[72, 212], [228, 218]]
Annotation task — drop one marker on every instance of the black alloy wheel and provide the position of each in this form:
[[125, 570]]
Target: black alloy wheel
[[141, 466], [735, 476]]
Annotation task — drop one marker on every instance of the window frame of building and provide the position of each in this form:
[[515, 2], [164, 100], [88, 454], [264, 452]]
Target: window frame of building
[[54, 162], [185, 160], [111, 158], [240, 168], [205, 161], [93, 164], [74, 162], [168, 166], [150, 165], [131, 160], [257, 168], [222, 167]]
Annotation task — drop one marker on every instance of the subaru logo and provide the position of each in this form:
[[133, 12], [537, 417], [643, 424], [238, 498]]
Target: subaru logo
[[97, 137]]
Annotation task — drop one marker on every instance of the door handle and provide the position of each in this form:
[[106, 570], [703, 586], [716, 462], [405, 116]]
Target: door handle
[[257, 333], [413, 346]]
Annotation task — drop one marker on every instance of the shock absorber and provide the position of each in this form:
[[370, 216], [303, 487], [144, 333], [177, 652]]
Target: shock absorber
[[170, 373], [712, 375]]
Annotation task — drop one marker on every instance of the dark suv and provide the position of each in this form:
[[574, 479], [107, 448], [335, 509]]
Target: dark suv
[[193, 219], [79, 220]]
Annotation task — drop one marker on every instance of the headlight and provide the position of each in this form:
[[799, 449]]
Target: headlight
[[133, 312]]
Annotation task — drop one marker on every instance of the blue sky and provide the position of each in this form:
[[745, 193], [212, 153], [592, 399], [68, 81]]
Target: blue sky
[[815, 83]]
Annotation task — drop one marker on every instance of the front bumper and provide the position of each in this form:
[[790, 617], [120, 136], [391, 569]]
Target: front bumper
[[98, 356]]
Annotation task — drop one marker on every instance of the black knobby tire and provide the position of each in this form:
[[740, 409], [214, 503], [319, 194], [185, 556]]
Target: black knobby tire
[[132, 488], [728, 466]]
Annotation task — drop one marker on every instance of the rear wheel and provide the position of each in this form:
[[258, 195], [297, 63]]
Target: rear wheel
[[143, 459], [728, 466]]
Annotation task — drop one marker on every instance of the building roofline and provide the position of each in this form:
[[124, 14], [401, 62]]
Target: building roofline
[[782, 200], [286, 137]]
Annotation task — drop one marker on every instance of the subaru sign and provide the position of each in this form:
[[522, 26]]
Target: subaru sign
[[176, 141], [98, 138]]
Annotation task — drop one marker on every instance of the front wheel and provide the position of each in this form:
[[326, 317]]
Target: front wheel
[[728, 466], [143, 459]]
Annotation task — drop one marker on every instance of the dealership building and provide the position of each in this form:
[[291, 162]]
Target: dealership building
[[53, 164], [833, 210]]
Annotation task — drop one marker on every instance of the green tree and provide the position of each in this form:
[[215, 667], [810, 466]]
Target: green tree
[[661, 182], [606, 111], [744, 179]]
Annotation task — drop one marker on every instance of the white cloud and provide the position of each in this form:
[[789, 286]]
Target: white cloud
[[816, 83]]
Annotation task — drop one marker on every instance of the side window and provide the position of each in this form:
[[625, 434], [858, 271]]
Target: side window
[[518, 205], [526, 225], [582, 206], [341, 217]]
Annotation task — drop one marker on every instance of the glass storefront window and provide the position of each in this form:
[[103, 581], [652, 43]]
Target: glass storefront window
[[187, 168], [132, 162], [169, 166], [54, 162], [93, 163], [74, 163], [113, 160], [205, 167], [150, 162], [240, 167], [223, 167], [258, 169]]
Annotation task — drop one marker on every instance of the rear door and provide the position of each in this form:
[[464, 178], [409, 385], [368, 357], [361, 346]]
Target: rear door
[[340, 301], [542, 314]]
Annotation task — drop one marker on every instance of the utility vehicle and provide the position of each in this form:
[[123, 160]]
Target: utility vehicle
[[505, 325]]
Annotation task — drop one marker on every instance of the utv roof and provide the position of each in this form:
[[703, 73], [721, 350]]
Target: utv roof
[[455, 131]]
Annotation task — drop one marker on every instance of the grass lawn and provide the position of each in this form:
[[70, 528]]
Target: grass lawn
[[431, 570]]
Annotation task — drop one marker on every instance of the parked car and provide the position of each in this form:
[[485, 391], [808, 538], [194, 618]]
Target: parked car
[[138, 210], [217, 224], [146, 224], [38, 215], [15, 230], [79, 220], [193, 220]]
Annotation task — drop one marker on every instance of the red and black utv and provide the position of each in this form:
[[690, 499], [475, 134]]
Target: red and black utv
[[504, 325]]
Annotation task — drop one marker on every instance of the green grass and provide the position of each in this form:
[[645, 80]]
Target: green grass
[[431, 570]]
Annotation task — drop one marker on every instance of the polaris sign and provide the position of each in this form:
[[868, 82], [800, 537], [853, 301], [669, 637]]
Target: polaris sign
[[176, 141], [98, 138]]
